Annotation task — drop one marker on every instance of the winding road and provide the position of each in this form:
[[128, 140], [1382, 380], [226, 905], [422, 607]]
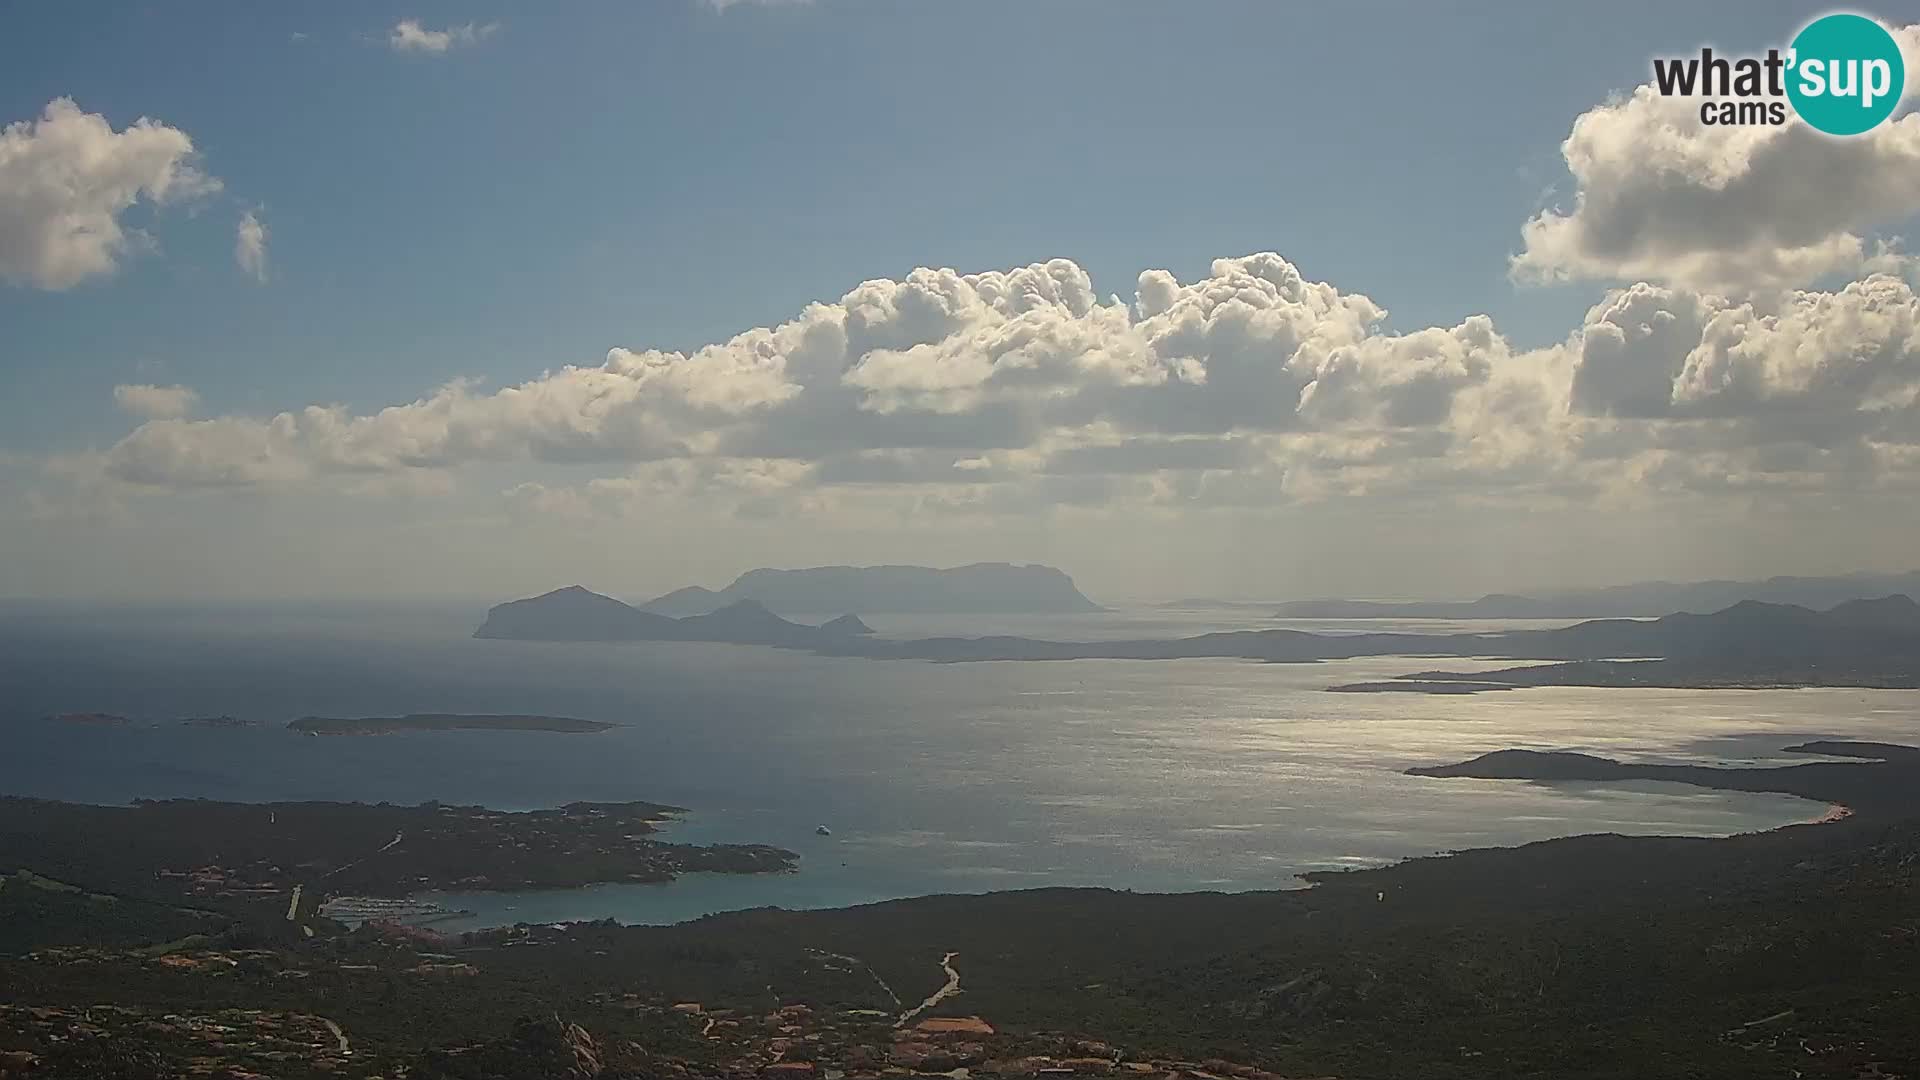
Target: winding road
[[938, 996]]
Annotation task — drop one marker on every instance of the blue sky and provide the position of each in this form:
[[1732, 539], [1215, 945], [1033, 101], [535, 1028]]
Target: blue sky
[[661, 174], [665, 174]]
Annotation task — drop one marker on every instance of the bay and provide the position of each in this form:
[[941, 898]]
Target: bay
[[1154, 776]]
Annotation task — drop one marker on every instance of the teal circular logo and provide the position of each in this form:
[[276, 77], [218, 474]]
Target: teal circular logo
[[1845, 74]]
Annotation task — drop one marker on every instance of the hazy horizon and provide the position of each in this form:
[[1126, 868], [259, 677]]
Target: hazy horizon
[[478, 601]]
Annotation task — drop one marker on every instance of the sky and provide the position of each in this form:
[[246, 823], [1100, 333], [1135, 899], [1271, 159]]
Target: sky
[[1247, 299]]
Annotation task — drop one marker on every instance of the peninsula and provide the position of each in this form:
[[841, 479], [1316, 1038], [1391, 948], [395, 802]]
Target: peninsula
[[197, 851], [1888, 787]]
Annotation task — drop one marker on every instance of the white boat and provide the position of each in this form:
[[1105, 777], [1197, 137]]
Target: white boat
[[824, 831]]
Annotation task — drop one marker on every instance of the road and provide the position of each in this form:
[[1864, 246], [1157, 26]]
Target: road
[[856, 962], [345, 1050], [938, 996]]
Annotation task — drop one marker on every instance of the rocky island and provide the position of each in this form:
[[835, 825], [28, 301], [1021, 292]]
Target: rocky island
[[994, 588], [91, 719], [578, 614]]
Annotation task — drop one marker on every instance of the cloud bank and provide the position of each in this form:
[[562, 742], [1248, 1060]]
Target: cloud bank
[[1252, 385]]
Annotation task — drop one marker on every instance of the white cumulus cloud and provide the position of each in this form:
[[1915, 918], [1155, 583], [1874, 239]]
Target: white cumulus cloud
[[408, 35], [940, 377], [1253, 385], [1844, 358], [65, 180], [1659, 196], [1250, 385]]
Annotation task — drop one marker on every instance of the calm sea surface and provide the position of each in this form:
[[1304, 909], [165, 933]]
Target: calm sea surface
[[1149, 775]]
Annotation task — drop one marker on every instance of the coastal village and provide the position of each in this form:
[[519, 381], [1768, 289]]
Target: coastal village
[[799, 1042], [186, 1019]]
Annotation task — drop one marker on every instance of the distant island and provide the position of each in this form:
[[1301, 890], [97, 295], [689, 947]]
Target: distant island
[[1643, 599], [979, 588], [1410, 685], [384, 725], [91, 719], [1873, 643], [578, 614], [218, 722]]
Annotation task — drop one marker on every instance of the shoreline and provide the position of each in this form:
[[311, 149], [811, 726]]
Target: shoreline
[[1524, 960], [664, 816]]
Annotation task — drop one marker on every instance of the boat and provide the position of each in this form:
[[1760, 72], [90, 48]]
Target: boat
[[823, 831]]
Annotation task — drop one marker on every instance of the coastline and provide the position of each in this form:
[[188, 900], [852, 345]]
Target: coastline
[[1444, 967]]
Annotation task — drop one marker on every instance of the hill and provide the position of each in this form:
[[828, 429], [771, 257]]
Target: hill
[[1641, 599], [573, 614]]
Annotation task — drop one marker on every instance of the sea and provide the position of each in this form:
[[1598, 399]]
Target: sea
[[1175, 775]]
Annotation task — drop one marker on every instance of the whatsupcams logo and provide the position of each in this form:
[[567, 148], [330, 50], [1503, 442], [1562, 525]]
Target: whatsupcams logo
[[1842, 74]]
